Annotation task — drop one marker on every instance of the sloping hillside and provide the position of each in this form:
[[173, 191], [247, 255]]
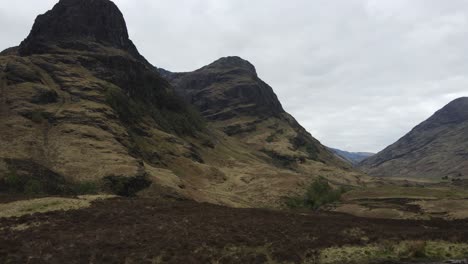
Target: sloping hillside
[[80, 104], [436, 148]]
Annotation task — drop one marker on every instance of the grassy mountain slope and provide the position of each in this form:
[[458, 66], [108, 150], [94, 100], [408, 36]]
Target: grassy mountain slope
[[436, 148]]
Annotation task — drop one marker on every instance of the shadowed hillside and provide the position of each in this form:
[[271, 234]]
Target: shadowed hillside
[[437, 148]]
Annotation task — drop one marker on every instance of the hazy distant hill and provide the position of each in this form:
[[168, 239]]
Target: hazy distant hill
[[436, 148], [352, 157]]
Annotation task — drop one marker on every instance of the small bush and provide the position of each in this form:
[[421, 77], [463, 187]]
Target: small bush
[[312, 151], [32, 179], [318, 194], [171, 113], [270, 138], [83, 188], [13, 182], [128, 110], [38, 117], [417, 249], [126, 186], [33, 186]]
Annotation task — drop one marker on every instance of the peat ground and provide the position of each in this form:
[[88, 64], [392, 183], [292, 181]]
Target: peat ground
[[138, 230]]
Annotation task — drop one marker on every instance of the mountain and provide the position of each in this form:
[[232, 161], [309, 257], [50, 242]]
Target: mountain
[[231, 96], [436, 148], [351, 157], [234, 100], [81, 105]]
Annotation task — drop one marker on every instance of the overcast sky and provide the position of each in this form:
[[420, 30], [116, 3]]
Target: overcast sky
[[357, 74]]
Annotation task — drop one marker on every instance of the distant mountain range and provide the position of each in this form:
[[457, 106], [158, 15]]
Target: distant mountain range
[[436, 148], [351, 157]]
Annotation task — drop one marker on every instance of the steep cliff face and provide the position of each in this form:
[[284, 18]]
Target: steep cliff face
[[78, 24], [234, 99], [79, 104], [227, 88], [436, 148]]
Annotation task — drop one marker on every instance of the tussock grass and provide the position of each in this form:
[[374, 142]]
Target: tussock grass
[[395, 251], [48, 204]]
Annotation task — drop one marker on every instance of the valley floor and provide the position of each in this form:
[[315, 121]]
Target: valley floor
[[138, 230]]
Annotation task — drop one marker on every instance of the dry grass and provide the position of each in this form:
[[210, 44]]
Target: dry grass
[[395, 251], [449, 209], [384, 213], [387, 192], [396, 202], [42, 205]]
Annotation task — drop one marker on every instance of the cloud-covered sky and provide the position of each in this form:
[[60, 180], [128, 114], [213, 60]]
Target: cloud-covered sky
[[357, 74]]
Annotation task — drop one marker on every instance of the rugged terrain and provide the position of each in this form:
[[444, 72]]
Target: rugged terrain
[[435, 149], [81, 105], [82, 111]]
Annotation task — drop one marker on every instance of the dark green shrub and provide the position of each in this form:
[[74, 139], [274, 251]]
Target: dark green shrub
[[270, 138], [21, 184], [318, 194], [172, 114], [128, 110], [126, 186], [38, 117], [33, 186], [83, 188], [13, 182], [312, 151], [295, 202]]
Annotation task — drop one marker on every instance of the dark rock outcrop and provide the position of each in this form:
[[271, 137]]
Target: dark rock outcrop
[[75, 24], [436, 148], [226, 88]]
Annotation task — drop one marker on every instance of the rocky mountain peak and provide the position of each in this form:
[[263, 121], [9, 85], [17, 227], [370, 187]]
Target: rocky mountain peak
[[232, 62], [225, 88], [98, 21], [454, 112]]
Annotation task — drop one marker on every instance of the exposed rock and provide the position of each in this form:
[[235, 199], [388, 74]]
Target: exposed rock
[[72, 21], [227, 88]]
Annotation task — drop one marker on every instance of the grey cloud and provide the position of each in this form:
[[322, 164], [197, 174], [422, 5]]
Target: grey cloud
[[358, 74]]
